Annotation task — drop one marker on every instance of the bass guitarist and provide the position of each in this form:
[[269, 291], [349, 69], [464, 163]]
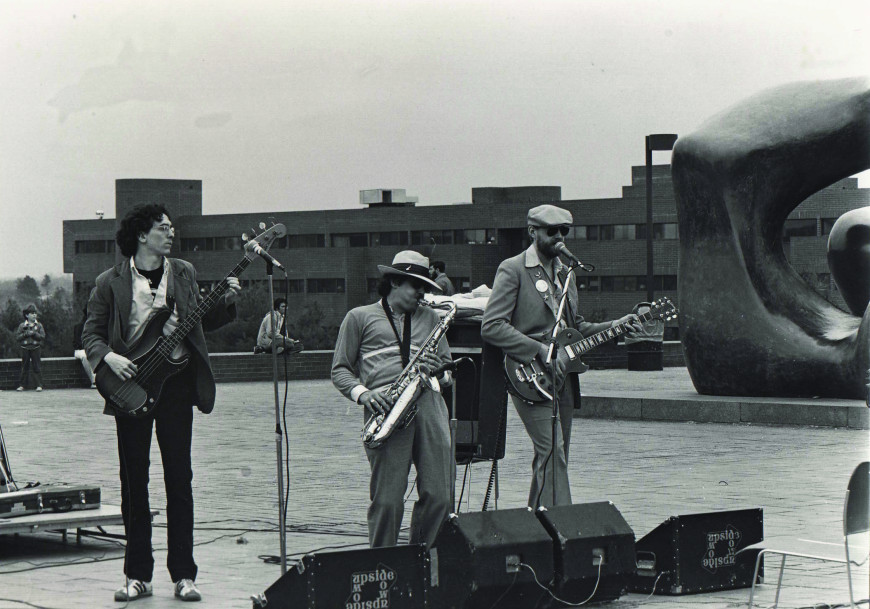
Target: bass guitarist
[[126, 297], [519, 317]]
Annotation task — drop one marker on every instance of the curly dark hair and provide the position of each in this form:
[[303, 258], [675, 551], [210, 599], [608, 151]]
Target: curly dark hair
[[278, 302], [140, 219]]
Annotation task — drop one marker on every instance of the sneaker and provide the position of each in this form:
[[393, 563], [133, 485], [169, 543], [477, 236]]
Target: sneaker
[[134, 589], [20, 389], [93, 385], [186, 590], [39, 388]]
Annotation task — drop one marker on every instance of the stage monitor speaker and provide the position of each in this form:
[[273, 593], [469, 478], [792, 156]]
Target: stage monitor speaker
[[698, 553], [594, 551], [476, 558], [481, 403], [378, 578]]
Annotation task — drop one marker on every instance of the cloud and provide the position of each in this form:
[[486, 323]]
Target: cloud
[[214, 120], [105, 86]]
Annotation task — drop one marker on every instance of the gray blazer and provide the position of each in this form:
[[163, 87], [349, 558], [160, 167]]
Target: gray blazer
[[109, 311], [519, 316]]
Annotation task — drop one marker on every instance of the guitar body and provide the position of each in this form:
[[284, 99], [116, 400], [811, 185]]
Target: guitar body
[[138, 396], [531, 381]]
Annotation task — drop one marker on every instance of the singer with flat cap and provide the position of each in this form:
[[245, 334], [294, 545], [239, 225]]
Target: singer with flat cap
[[375, 343], [519, 318]]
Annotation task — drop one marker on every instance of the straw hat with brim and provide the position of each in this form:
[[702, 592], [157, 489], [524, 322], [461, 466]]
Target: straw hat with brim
[[410, 264]]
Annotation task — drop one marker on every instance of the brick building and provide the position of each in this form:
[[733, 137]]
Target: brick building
[[332, 255]]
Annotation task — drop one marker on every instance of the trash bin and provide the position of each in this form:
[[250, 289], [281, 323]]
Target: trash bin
[[645, 355], [644, 348]]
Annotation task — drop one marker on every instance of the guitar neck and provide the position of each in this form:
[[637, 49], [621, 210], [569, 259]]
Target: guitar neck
[[190, 322], [590, 342]]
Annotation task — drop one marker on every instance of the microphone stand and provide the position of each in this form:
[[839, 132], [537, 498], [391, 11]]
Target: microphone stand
[[551, 355], [279, 450]]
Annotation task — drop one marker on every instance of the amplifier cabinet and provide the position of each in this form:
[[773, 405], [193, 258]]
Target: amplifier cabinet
[[476, 561], [377, 578], [699, 553], [595, 550]]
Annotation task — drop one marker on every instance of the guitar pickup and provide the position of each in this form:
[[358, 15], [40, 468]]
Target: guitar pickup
[[521, 375], [570, 351]]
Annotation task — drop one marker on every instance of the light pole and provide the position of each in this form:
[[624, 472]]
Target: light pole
[[659, 141]]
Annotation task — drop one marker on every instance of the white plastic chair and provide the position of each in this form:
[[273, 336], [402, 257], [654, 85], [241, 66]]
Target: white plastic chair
[[855, 521]]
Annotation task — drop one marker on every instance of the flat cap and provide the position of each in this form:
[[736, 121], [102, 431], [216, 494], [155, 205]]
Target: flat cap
[[549, 215]]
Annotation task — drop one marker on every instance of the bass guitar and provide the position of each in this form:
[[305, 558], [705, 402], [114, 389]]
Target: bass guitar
[[137, 396], [531, 381]]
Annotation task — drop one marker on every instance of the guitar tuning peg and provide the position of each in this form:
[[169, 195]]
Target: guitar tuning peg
[[262, 226], [245, 237]]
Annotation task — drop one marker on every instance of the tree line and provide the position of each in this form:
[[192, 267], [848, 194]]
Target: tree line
[[59, 312]]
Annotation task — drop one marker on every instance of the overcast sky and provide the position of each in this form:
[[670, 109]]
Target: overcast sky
[[285, 105]]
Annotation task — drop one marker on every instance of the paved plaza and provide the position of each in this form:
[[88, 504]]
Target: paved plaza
[[649, 470]]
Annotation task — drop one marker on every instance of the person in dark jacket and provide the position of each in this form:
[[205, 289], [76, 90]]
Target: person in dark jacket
[[125, 299], [30, 336]]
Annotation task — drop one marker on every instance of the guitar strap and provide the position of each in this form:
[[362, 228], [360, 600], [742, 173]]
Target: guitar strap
[[405, 340]]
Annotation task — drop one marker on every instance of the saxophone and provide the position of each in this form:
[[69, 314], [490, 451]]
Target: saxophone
[[407, 388]]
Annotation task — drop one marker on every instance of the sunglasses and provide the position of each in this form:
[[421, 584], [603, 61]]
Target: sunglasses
[[552, 230]]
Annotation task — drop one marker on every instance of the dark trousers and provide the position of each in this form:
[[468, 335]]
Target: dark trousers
[[174, 422], [28, 356]]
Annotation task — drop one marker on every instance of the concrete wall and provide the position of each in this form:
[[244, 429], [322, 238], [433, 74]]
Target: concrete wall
[[66, 372]]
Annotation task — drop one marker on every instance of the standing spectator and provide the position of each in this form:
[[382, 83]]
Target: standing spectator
[[437, 272], [30, 335], [79, 350]]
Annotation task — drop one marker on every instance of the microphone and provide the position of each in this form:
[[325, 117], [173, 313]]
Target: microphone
[[267, 257], [452, 366], [564, 251]]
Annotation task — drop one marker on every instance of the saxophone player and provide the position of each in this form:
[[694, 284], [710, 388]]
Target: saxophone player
[[374, 345]]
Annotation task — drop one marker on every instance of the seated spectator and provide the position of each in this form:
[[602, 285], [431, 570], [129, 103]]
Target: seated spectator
[[264, 336]]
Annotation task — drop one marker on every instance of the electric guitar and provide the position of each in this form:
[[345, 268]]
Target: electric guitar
[[532, 382], [137, 396]]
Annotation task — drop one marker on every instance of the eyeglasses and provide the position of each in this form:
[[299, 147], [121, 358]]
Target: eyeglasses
[[166, 229], [552, 230]]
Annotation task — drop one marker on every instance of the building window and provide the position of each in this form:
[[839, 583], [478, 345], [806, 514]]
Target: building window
[[297, 286], [350, 240], [372, 285], [476, 236], [827, 225], [665, 230], [101, 246], [623, 231], [461, 284], [799, 228], [605, 233], [303, 241], [227, 243], [321, 285], [426, 237], [390, 238], [661, 230], [197, 244], [660, 283]]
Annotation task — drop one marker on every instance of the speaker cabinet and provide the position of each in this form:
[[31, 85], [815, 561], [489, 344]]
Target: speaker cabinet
[[698, 553], [377, 578], [594, 551], [481, 398], [484, 557], [477, 559]]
